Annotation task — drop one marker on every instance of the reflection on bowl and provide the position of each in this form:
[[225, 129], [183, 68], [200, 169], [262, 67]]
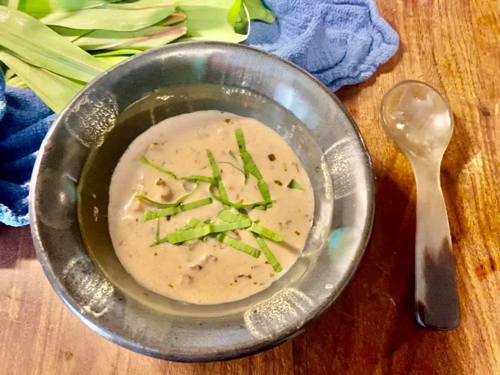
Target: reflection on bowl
[[70, 190]]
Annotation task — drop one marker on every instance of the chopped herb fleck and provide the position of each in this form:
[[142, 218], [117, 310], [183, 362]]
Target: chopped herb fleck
[[278, 182], [255, 283], [160, 182], [271, 275], [228, 120], [156, 254], [297, 233], [170, 285], [294, 185], [271, 157]]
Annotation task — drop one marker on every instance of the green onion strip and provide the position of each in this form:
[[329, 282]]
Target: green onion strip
[[268, 253], [250, 167], [203, 230], [170, 211], [172, 174], [173, 204], [218, 179], [238, 245]]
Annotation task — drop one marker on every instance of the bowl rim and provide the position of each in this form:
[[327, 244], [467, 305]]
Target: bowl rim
[[251, 349]]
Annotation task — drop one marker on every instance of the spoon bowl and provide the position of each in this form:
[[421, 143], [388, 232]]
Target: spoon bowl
[[418, 119]]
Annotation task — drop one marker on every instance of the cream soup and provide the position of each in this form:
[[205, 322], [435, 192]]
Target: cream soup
[[214, 246]]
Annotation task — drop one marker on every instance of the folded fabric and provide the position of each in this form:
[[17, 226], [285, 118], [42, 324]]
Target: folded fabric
[[340, 42], [24, 121]]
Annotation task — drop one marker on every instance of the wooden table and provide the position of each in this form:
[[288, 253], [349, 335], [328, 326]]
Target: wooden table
[[454, 46]]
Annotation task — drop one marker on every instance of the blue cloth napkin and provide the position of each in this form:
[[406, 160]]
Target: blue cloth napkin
[[340, 42]]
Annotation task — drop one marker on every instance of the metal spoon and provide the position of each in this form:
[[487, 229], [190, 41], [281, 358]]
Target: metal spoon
[[419, 121]]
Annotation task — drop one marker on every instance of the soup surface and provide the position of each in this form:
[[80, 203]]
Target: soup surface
[[209, 231]]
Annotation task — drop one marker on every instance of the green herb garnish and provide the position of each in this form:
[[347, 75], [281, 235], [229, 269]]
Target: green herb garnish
[[238, 245], [173, 204], [218, 178], [230, 217], [250, 167], [204, 230], [294, 185], [145, 161], [264, 232], [238, 206], [268, 253], [170, 211], [232, 165], [231, 153], [157, 234]]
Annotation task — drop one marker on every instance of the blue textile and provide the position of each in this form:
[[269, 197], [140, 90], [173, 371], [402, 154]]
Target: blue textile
[[340, 42]]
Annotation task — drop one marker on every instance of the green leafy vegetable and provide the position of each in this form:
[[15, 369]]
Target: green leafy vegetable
[[115, 17], [143, 39], [209, 20], [40, 46], [119, 52], [256, 11], [268, 253], [173, 204], [47, 34], [56, 91], [294, 185], [170, 211], [238, 245], [38, 8]]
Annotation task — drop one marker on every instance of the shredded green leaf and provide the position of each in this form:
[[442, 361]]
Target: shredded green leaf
[[188, 178], [218, 178], [157, 234], [230, 217], [204, 230], [232, 165], [173, 204], [238, 206], [265, 232], [231, 153], [250, 167], [294, 185], [170, 211], [268, 253], [238, 245]]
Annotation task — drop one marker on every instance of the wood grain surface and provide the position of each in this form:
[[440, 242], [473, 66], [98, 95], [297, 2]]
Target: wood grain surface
[[454, 46]]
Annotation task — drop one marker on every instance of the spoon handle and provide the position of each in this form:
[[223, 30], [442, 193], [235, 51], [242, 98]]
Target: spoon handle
[[436, 295]]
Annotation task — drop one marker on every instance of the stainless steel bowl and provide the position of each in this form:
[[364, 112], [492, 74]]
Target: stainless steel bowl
[[69, 195]]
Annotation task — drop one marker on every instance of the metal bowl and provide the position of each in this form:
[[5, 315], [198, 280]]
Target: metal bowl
[[69, 195]]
